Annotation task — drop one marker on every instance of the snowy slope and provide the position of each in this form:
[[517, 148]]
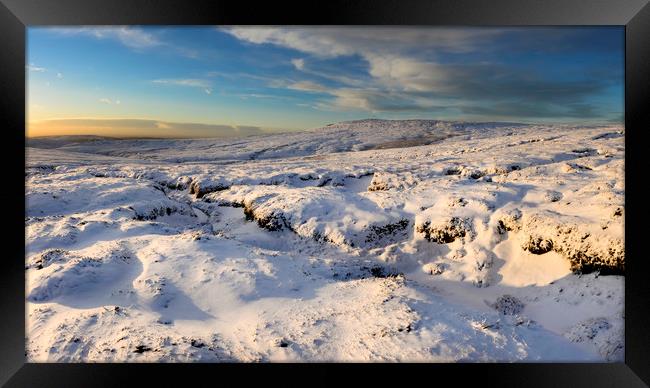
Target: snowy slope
[[361, 241], [346, 136]]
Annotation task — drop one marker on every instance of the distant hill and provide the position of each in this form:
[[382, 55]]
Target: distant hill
[[61, 141]]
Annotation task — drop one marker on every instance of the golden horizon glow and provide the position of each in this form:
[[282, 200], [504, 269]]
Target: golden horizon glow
[[138, 127]]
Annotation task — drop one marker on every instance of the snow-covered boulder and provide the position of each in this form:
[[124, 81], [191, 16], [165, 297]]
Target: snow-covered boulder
[[586, 246]]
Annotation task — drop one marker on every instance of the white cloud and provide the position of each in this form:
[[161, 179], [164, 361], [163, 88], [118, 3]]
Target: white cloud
[[402, 73], [298, 63], [202, 84], [37, 69], [301, 65], [189, 82], [316, 41], [138, 39], [338, 41], [375, 100], [131, 37], [307, 86], [59, 75], [163, 125], [109, 101]]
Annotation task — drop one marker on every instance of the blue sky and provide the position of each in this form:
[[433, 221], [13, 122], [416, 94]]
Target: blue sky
[[210, 81]]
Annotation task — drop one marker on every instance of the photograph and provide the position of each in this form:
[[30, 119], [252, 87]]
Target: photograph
[[322, 193]]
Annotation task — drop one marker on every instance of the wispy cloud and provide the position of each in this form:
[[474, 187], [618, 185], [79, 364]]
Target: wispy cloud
[[205, 85], [301, 65], [37, 69], [191, 82], [109, 101], [308, 86], [135, 38], [298, 63], [131, 37], [338, 41]]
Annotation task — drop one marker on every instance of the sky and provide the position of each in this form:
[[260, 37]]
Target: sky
[[142, 81]]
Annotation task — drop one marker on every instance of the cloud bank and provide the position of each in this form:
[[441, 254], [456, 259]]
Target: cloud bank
[[138, 128], [440, 69]]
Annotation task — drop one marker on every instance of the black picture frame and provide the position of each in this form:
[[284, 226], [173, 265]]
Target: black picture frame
[[16, 15]]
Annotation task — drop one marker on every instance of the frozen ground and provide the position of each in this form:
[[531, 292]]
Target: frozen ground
[[360, 241]]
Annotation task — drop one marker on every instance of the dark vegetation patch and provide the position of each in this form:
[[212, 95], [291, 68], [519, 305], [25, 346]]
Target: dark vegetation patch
[[476, 174], [501, 227], [509, 221], [324, 181], [585, 151], [404, 143], [446, 232], [376, 233], [308, 177], [155, 213], [588, 329], [181, 183], [407, 329], [552, 196], [376, 185], [37, 170], [273, 221], [368, 271], [141, 349], [609, 135], [583, 263], [452, 171], [199, 189], [586, 252], [577, 167], [537, 245], [508, 305], [381, 272], [48, 257]]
